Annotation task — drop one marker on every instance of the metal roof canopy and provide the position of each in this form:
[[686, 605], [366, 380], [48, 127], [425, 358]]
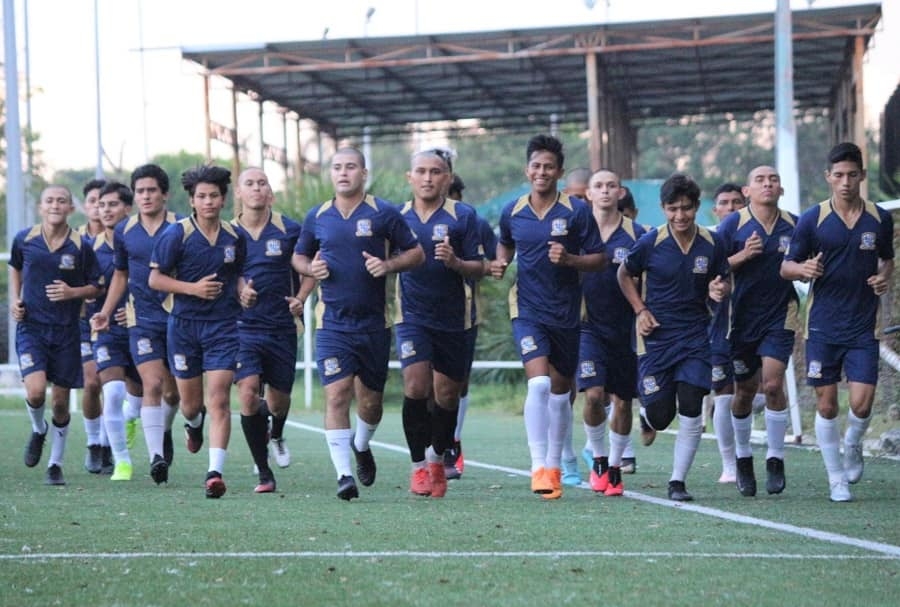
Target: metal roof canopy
[[524, 78]]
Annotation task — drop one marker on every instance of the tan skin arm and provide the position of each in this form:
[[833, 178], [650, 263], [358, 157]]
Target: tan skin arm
[[646, 322], [205, 288], [114, 293]]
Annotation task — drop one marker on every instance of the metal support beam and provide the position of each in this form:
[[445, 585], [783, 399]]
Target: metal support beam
[[593, 95], [206, 118], [235, 147], [858, 119]]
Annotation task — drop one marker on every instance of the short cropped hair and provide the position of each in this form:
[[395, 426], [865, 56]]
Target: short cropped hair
[[677, 186], [845, 151], [153, 171], [124, 192]]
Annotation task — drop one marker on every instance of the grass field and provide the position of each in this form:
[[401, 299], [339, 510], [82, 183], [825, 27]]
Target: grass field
[[489, 542]]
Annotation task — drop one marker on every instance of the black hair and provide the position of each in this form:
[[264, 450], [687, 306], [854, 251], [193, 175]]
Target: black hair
[[677, 186], [626, 202], [545, 143], [211, 174], [456, 187], [124, 192], [93, 184], [845, 151], [728, 187], [152, 171], [351, 150]]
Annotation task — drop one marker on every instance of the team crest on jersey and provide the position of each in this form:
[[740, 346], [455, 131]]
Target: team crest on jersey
[[144, 347], [180, 362], [527, 345], [620, 254], [718, 373], [701, 264], [559, 227], [439, 232], [650, 385], [588, 369], [407, 349], [25, 361], [86, 349], [740, 367], [364, 227], [67, 262], [815, 369], [273, 248], [867, 241], [103, 354], [229, 254], [783, 243], [331, 366]]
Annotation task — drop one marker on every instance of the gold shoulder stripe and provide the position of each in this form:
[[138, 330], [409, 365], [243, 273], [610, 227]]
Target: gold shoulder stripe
[[661, 234], [521, 203], [325, 206]]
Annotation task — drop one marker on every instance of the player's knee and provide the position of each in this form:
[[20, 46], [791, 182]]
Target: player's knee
[[690, 399], [659, 416]]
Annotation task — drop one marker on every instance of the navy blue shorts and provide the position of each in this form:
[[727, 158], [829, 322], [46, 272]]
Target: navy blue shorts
[[112, 349], [722, 369], [445, 350], [87, 352], [747, 356], [825, 361], [660, 384], [196, 346], [53, 349], [559, 345], [365, 355], [471, 340], [602, 362], [271, 356], [148, 343]]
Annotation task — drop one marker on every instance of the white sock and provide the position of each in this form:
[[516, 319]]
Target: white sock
[[104, 438], [724, 429], [92, 430], [58, 445], [568, 451], [686, 442], [217, 459], [169, 412], [38, 423], [559, 409], [629, 446], [461, 417], [617, 445], [742, 428], [114, 420], [597, 439], [828, 436], [856, 428], [152, 422], [364, 433], [776, 426], [537, 419], [432, 457], [338, 442], [132, 408]]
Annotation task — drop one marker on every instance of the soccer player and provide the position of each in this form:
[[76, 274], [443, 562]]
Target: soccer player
[[133, 241], [269, 322], [98, 457], [844, 245], [116, 369], [200, 260], [432, 317], [350, 244], [577, 182], [764, 317], [51, 270], [554, 238], [607, 365], [680, 265]]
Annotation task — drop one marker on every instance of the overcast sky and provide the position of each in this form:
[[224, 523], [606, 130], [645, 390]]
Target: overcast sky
[[151, 102]]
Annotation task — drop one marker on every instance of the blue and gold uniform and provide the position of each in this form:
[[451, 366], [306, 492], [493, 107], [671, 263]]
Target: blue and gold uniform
[[763, 305], [202, 333], [111, 348], [545, 301], [48, 339], [675, 287], [605, 355], [488, 247], [433, 310], [843, 321], [353, 336], [147, 318], [268, 330]]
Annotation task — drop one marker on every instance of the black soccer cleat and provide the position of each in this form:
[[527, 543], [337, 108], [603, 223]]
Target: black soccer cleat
[[34, 449], [107, 465], [678, 492], [193, 437], [54, 476], [745, 478], [347, 488], [365, 465], [159, 470], [93, 459], [775, 481]]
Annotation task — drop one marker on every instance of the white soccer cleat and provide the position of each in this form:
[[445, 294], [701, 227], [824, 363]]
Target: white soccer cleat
[[280, 452], [853, 462], [840, 491]]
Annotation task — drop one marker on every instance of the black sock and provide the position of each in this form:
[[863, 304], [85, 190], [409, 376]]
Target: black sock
[[278, 425], [416, 427], [443, 424], [255, 428]]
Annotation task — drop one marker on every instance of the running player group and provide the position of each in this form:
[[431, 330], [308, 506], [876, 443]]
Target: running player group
[[599, 305]]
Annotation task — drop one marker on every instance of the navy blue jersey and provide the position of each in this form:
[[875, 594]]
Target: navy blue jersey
[[604, 304], [105, 251], [761, 300], [268, 264], [73, 262], [431, 294], [545, 292], [133, 246], [351, 299], [488, 241], [184, 253], [842, 308]]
